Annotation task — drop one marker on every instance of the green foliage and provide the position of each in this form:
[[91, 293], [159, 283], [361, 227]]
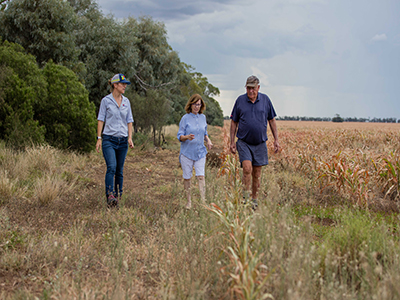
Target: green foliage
[[356, 234], [337, 119], [3, 4], [106, 47], [150, 113], [44, 28], [158, 65], [68, 115], [42, 105], [21, 83]]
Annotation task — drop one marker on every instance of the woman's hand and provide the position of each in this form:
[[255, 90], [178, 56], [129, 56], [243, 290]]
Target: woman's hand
[[209, 143], [184, 138], [130, 142], [98, 145]]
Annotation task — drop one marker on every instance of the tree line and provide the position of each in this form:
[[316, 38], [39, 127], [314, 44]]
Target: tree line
[[55, 61], [338, 118]]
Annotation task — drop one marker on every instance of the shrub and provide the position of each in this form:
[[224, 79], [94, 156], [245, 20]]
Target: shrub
[[67, 114], [21, 85]]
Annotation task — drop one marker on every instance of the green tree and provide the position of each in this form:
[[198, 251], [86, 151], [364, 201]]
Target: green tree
[[44, 28], [67, 114], [158, 65], [48, 105], [22, 86], [337, 118], [150, 113], [106, 47], [156, 78]]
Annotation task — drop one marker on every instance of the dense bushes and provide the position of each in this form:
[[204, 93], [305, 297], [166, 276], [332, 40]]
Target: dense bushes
[[42, 105]]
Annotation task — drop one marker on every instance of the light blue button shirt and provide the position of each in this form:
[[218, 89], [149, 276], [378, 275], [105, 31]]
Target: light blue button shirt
[[115, 118], [197, 125]]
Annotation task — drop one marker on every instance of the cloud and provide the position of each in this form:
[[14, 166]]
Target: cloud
[[313, 57], [379, 37], [163, 10]]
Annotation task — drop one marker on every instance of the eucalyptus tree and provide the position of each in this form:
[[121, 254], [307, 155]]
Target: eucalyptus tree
[[156, 77], [45, 28], [106, 47]]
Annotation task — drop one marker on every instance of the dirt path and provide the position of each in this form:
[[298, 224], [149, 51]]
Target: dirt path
[[148, 173]]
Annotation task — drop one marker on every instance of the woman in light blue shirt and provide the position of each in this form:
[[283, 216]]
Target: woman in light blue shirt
[[192, 134], [115, 115]]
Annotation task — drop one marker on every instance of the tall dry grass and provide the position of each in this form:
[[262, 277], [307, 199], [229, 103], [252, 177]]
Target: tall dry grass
[[361, 166]]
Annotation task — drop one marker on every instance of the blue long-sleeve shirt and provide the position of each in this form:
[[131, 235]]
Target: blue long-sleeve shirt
[[197, 125]]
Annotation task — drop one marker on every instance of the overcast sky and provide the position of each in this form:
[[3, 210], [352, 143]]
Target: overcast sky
[[314, 58]]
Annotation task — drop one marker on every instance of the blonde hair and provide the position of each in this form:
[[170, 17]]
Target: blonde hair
[[111, 85], [192, 100]]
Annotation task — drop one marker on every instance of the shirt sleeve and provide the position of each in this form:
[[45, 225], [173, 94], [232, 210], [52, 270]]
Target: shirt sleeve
[[182, 127], [205, 129], [102, 111], [235, 112], [129, 117], [271, 111]]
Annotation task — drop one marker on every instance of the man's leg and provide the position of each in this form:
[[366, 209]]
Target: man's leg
[[247, 174], [256, 176]]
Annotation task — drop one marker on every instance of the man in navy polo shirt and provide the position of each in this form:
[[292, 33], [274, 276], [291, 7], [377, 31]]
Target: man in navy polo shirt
[[249, 120]]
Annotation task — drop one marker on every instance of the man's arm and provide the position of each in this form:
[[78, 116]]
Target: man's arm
[[272, 125], [234, 127]]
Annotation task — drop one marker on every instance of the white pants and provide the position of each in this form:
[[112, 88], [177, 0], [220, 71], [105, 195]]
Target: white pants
[[188, 164]]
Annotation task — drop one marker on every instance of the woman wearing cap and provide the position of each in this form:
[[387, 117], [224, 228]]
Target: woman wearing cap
[[115, 115], [192, 134]]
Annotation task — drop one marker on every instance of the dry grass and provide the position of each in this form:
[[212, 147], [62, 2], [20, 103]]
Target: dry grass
[[315, 234]]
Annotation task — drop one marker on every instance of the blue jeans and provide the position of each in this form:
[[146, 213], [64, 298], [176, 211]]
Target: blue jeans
[[114, 152]]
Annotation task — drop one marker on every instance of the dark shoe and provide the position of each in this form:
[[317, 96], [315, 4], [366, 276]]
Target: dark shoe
[[254, 205], [246, 197], [112, 201]]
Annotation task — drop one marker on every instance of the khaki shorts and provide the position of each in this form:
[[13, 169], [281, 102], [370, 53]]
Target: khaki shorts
[[188, 164]]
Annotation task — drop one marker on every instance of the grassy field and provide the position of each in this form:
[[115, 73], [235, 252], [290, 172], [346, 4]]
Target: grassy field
[[326, 227]]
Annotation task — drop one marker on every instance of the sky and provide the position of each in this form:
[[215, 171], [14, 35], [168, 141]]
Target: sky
[[314, 58]]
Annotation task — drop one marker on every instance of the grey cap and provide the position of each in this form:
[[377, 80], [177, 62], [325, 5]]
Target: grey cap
[[252, 81]]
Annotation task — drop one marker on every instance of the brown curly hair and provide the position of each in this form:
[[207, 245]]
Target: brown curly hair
[[192, 100]]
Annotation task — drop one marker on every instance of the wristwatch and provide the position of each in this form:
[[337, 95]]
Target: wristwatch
[[99, 137]]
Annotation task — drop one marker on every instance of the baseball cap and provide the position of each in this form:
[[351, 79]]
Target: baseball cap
[[252, 81], [119, 78]]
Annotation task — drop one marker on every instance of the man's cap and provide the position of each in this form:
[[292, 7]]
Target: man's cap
[[119, 78], [252, 81]]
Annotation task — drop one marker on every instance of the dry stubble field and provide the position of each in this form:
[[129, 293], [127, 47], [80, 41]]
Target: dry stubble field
[[326, 227]]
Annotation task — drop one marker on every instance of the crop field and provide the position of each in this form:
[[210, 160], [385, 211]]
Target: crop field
[[327, 225]]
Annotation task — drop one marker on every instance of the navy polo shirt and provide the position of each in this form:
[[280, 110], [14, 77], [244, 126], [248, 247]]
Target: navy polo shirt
[[253, 118]]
